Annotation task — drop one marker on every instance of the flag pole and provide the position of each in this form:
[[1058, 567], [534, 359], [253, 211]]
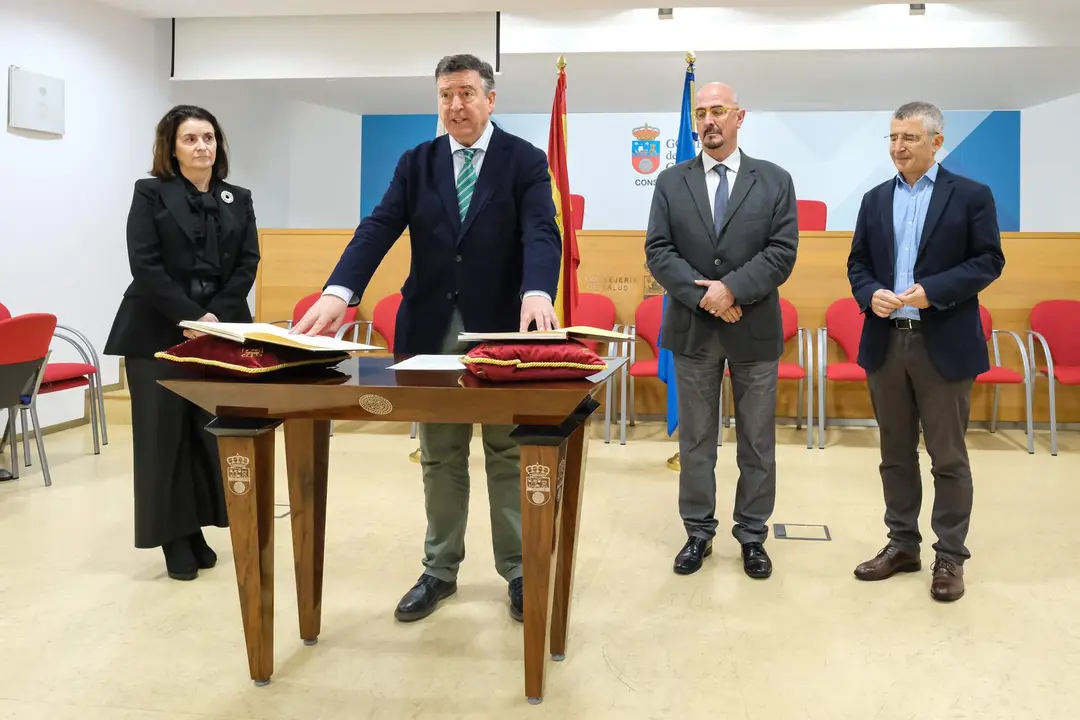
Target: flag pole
[[674, 462]]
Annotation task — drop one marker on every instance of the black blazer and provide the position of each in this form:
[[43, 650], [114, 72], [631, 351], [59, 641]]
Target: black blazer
[[161, 254], [959, 255], [507, 245]]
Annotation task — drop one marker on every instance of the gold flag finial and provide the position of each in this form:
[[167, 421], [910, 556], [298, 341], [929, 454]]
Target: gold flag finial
[[690, 58], [560, 63]]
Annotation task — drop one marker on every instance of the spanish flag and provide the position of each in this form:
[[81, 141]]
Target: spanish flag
[[567, 293]]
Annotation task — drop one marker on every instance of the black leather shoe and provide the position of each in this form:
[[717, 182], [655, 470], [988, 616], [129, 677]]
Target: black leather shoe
[[423, 598], [180, 560], [689, 559], [205, 557], [755, 560], [517, 600]]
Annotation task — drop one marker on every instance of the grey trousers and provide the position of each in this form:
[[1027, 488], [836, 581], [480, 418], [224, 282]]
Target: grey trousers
[[444, 457], [698, 379], [906, 391]]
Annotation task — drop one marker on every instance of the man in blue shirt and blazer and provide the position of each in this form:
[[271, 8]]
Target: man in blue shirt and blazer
[[926, 243], [486, 253]]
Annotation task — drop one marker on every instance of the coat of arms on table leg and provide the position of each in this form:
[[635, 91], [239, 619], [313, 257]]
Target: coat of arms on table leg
[[538, 484], [238, 477]]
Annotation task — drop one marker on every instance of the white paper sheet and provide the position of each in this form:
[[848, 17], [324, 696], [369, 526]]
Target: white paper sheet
[[429, 362]]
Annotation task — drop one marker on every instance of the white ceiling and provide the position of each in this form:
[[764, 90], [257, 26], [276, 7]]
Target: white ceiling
[[239, 8], [978, 79]]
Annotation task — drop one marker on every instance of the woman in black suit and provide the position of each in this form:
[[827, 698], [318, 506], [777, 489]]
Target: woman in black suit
[[193, 248]]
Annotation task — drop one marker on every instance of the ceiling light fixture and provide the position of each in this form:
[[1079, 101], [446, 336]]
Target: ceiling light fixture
[[665, 13], [917, 8]]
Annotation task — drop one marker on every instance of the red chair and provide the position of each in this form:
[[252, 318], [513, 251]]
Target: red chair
[[843, 325], [999, 375], [24, 351], [1056, 325], [577, 211], [646, 326], [813, 214], [803, 371], [62, 376], [598, 311]]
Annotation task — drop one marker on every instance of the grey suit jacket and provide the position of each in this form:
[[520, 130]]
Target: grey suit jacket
[[753, 255]]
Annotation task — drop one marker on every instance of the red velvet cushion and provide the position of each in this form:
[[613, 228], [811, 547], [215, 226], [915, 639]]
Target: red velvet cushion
[[216, 357], [543, 360]]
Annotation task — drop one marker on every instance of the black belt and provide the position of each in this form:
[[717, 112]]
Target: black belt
[[906, 324]]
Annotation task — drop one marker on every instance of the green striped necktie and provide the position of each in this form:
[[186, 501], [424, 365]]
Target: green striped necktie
[[466, 181]]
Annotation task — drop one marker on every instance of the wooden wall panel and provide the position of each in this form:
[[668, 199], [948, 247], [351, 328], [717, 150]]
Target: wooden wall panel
[[1038, 266]]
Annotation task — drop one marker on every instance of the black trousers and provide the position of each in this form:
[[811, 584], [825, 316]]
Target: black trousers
[[178, 487], [907, 392]]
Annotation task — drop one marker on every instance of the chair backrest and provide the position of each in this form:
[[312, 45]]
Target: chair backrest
[[4, 312], [843, 325], [987, 322], [24, 345], [384, 318], [304, 304], [813, 214], [596, 311], [1059, 322], [647, 318], [789, 318], [577, 211]]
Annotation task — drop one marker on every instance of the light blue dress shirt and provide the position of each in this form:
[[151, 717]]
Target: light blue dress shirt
[[909, 216]]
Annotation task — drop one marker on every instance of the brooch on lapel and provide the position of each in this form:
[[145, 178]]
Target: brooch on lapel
[[226, 196]]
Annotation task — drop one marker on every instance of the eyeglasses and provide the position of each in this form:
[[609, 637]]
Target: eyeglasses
[[718, 112]]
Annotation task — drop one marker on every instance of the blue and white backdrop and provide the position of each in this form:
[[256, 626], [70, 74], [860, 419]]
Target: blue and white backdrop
[[832, 156]]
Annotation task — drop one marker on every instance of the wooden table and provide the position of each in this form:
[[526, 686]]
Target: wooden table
[[552, 420]]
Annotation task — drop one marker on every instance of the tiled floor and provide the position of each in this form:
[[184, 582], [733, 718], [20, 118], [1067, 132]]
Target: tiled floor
[[92, 628]]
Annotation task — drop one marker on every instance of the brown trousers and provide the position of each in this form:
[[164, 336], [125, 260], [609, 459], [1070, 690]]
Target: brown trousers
[[907, 391]]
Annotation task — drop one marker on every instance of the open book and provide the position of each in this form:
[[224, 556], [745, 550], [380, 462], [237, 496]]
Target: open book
[[577, 332], [274, 335]]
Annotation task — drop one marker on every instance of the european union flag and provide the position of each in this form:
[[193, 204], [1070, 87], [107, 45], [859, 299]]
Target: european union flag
[[684, 150]]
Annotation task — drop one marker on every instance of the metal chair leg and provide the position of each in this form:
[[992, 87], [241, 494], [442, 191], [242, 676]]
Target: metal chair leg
[[623, 382], [25, 437], [40, 445], [994, 412]]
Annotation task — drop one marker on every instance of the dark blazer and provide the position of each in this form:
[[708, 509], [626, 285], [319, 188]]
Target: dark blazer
[[753, 255], [959, 255], [161, 254], [508, 244]]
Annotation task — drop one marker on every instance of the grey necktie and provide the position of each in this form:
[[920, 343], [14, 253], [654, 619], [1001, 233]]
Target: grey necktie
[[721, 199]]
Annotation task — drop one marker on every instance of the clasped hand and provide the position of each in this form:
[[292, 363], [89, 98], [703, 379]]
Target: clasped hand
[[885, 302], [718, 301]]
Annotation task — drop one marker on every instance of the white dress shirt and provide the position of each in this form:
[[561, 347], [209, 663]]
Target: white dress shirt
[[481, 146], [712, 180]]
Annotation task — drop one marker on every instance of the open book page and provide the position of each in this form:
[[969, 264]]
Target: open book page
[[579, 332], [274, 335]]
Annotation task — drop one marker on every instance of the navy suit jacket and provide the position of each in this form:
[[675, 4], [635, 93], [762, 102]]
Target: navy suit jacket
[[959, 255], [507, 245]]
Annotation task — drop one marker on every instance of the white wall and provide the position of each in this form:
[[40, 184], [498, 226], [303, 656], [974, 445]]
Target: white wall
[[64, 201], [324, 167], [1049, 158]]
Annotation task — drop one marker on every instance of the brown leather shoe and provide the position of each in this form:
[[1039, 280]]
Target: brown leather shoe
[[948, 582], [887, 563]]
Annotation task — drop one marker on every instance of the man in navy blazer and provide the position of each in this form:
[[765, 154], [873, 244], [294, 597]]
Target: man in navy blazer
[[926, 243], [486, 253]]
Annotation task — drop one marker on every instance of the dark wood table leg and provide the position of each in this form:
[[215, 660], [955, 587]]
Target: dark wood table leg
[[246, 448], [576, 456], [543, 466], [307, 451]]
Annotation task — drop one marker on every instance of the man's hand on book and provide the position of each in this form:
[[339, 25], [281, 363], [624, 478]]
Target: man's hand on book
[[539, 309], [327, 313], [208, 317]]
